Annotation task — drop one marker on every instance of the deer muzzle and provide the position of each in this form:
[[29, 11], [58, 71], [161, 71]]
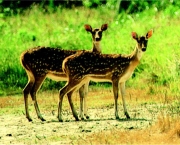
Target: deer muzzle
[[144, 49]]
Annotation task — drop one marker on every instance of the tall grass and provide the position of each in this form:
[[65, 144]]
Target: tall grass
[[64, 29], [165, 131]]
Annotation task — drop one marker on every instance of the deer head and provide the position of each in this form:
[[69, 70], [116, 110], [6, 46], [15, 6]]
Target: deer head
[[96, 33], [142, 40]]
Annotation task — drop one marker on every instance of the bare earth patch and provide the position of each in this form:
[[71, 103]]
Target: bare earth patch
[[17, 130], [144, 110]]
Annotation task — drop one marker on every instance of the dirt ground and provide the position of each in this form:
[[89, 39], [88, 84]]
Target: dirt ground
[[15, 129]]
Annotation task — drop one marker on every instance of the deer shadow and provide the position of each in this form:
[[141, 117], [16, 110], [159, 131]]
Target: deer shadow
[[101, 119]]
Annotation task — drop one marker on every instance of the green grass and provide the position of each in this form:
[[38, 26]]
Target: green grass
[[160, 65]]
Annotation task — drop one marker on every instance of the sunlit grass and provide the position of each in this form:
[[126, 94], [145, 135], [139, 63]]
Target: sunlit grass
[[166, 130], [97, 98], [64, 28]]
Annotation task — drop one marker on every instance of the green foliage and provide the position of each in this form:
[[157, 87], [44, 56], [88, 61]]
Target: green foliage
[[135, 6], [64, 28], [89, 3]]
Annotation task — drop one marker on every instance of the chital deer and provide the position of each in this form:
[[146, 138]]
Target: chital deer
[[42, 62], [115, 68]]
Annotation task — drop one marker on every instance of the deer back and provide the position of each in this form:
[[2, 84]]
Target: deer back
[[95, 64], [40, 60]]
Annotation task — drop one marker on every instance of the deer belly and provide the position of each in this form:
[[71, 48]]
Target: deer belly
[[98, 79], [57, 76]]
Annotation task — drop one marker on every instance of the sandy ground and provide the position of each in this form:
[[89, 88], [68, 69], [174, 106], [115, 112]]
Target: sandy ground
[[15, 129]]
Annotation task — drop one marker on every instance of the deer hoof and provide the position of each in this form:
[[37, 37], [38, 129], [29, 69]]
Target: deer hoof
[[127, 115]]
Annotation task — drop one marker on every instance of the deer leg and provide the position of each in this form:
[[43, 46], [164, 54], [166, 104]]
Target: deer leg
[[83, 91], [70, 86], [26, 91], [81, 94], [85, 99], [122, 89], [116, 91], [37, 85], [72, 105], [62, 93]]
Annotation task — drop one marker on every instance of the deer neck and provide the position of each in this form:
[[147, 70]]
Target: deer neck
[[136, 56], [96, 46]]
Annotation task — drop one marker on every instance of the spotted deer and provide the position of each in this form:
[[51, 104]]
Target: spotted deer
[[115, 68], [45, 62]]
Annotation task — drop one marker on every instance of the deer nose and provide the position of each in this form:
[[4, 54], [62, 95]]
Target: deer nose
[[144, 49], [97, 39]]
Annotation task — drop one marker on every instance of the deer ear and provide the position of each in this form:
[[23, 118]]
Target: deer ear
[[104, 27], [149, 34], [88, 27], [134, 35]]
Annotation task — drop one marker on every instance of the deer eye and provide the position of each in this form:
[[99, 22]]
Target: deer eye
[[93, 32], [100, 33]]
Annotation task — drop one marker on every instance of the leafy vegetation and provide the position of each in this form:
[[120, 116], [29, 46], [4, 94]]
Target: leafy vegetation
[[63, 28]]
